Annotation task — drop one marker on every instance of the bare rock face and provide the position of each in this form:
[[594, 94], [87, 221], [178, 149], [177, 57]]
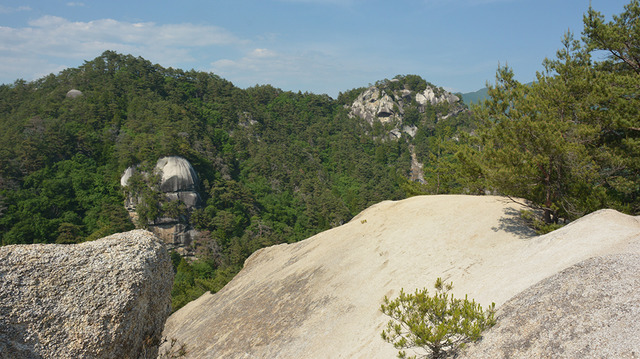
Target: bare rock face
[[320, 298], [589, 310], [177, 175], [73, 93], [381, 104], [375, 105], [103, 299], [178, 182], [430, 96]]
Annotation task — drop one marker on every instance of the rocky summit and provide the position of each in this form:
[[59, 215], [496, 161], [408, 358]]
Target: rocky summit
[[387, 101], [103, 299], [320, 298]]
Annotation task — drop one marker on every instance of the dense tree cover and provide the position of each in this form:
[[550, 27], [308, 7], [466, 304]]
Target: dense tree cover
[[275, 166], [569, 142], [279, 166]]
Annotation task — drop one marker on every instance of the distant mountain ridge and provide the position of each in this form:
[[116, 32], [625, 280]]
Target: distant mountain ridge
[[475, 97]]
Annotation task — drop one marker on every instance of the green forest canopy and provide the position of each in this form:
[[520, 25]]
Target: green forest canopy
[[275, 166], [279, 166]]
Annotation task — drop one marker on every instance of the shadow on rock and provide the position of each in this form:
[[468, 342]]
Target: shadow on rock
[[513, 223]]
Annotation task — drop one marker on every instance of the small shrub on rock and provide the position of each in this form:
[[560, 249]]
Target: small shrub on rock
[[437, 326]]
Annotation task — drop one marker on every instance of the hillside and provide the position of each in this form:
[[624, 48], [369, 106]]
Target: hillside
[[320, 298], [274, 166]]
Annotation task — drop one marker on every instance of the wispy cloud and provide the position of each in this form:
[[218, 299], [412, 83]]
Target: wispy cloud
[[11, 10], [51, 41], [75, 4], [296, 70]]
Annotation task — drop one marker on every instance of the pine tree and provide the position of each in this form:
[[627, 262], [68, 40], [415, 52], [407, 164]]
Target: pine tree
[[437, 325]]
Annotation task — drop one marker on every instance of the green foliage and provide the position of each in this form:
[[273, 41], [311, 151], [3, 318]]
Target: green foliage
[[618, 38], [569, 142], [276, 166], [437, 325], [534, 221]]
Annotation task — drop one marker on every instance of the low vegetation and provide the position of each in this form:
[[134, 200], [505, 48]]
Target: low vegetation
[[435, 326]]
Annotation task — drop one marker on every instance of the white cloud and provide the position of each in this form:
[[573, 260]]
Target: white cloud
[[298, 70], [55, 37], [262, 53], [75, 4]]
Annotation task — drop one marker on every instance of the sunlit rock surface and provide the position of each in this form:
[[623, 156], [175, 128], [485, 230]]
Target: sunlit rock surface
[[589, 310], [320, 298], [107, 298], [73, 93]]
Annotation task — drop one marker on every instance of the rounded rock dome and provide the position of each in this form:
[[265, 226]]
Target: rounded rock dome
[[177, 174], [73, 93]]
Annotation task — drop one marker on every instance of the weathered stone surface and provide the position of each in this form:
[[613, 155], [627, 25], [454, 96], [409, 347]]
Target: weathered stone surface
[[589, 310], [320, 298], [177, 175], [379, 104], [374, 105], [429, 95], [103, 299], [179, 182]]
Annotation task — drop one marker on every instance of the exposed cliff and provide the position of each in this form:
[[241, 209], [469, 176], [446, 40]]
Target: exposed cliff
[[411, 110], [387, 102], [103, 299], [178, 183]]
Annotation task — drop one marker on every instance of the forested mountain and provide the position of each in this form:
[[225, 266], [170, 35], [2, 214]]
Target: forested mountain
[[278, 166], [275, 166]]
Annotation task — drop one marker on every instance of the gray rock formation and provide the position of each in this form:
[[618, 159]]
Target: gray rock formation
[[389, 101], [73, 93], [379, 103], [177, 175], [429, 95], [375, 105], [103, 299], [589, 310], [178, 182]]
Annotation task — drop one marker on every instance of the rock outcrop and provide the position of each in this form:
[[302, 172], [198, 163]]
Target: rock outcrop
[[320, 298], [73, 93], [381, 103], [374, 104], [178, 182], [589, 310], [399, 110], [103, 299]]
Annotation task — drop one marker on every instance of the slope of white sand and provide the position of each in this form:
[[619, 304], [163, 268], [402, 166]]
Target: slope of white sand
[[320, 298]]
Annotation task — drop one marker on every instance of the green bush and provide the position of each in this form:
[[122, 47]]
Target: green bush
[[437, 325]]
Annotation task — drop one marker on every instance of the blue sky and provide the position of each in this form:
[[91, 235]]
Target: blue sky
[[320, 46]]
